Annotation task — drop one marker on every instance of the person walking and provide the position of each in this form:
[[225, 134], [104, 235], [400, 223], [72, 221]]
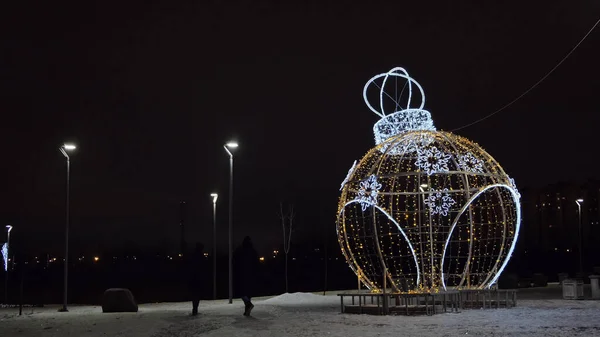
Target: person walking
[[196, 279], [246, 262]]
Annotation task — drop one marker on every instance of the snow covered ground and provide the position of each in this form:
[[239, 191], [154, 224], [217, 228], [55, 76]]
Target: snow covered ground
[[302, 314]]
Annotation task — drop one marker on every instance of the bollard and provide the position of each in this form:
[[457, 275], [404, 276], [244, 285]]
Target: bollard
[[595, 288], [572, 289]]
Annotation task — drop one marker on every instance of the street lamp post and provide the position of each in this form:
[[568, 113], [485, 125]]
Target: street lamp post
[[214, 196], [578, 202], [8, 229], [228, 147], [64, 149]]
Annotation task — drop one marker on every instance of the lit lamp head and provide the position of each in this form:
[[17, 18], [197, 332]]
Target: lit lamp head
[[214, 196], [9, 228], [229, 146], [579, 201], [67, 147]]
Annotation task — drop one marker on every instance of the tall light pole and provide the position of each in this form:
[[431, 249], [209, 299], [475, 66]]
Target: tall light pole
[[64, 149], [229, 147], [214, 199], [578, 202], [6, 255]]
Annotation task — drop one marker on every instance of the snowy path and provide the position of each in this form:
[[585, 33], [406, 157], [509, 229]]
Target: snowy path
[[304, 315]]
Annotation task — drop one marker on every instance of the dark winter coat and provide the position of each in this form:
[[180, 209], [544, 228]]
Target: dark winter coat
[[246, 269], [196, 271]]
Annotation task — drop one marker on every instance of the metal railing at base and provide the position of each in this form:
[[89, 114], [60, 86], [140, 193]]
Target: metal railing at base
[[426, 303]]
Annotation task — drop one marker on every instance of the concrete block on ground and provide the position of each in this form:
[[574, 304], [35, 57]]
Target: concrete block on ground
[[118, 300]]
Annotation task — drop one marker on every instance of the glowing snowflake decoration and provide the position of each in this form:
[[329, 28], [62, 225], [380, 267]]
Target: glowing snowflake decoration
[[350, 171], [432, 160], [5, 256], [468, 162], [439, 202], [367, 194], [514, 187]]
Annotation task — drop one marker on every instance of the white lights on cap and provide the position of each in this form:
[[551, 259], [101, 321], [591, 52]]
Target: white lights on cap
[[401, 119]]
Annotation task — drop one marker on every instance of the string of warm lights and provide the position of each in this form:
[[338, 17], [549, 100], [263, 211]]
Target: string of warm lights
[[430, 209]]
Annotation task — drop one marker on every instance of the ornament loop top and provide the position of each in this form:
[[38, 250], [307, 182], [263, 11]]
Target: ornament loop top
[[403, 118], [395, 72]]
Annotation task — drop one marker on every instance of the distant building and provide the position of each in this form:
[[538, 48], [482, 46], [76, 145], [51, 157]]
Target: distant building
[[550, 225]]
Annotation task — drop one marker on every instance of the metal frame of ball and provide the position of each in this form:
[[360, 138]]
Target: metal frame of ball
[[390, 144]]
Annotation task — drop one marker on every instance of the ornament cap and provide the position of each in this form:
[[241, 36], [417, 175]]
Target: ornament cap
[[402, 119]]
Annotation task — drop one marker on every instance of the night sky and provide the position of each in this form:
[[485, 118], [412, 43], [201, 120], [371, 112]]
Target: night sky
[[151, 91]]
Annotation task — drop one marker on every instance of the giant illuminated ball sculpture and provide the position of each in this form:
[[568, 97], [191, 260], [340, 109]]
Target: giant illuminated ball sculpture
[[424, 210]]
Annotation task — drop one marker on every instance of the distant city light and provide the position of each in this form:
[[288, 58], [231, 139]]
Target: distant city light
[[205, 254], [96, 259], [261, 259]]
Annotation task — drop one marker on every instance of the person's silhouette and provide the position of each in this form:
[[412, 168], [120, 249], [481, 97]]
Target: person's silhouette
[[196, 277], [246, 261]]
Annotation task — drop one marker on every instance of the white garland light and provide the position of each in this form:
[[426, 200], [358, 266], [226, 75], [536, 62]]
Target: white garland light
[[5, 256], [514, 187], [432, 160], [350, 171], [399, 121], [515, 195], [439, 202], [367, 194], [469, 163]]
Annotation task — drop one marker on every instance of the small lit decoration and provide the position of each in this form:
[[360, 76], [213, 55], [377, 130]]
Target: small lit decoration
[[432, 160], [514, 186], [468, 162], [439, 202], [425, 210], [5, 256], [367, 194], [350, 171]]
